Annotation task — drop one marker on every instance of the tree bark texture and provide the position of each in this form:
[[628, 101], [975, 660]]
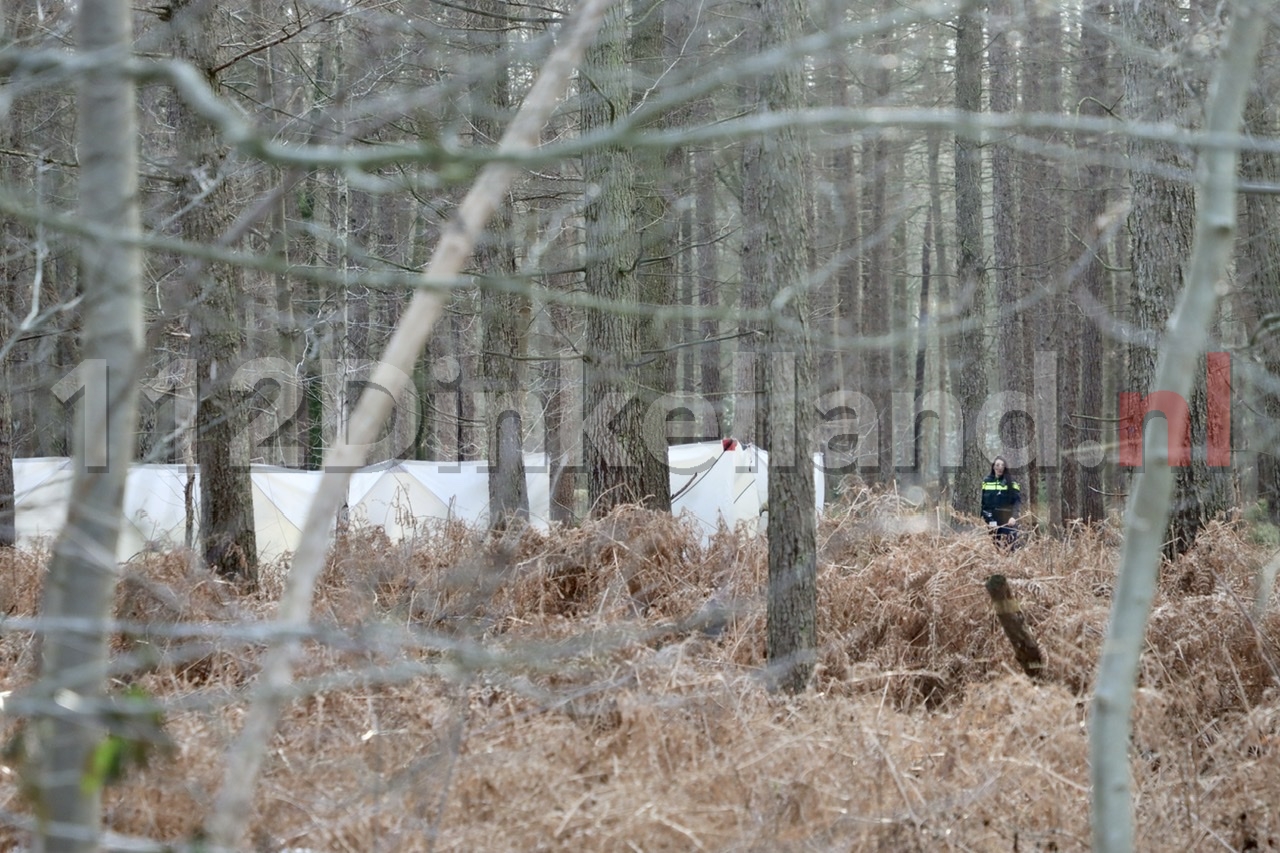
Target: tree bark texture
[[778, 215], [659, 176], [504, 312], [968, 367], [228, 537], [1094, 94], [1259, 283], [1009, 324], [615, 440], [878, 295], [82, 575], [1160, 225], [1051, 325], [1014, 623]]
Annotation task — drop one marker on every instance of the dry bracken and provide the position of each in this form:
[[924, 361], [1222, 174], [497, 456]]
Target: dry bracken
[[562, 690]]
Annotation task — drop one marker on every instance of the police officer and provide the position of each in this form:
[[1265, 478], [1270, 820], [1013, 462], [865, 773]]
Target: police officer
[[1001, 500]]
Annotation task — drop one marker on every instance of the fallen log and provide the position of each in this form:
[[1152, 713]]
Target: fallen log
[[1012, 620]]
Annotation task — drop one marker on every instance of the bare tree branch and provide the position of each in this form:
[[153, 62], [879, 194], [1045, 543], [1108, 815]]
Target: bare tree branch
[[82, 573], [1148, 513], [227, 824]]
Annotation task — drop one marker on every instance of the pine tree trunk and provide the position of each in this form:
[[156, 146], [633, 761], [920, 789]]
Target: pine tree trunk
[[777, 212], [904, 318], [1093, 93], [706, 260], [920, 371], [710, 385], [1161, 217], [968, 366], [877, 282], [749, 410], [229, 541], [288, 437], [830, 224], [1012, 369], [8, 518], [942, 296], [657, 181], [562, 375], [503, 311], [8, 304], [848, 248], [616, 446], [1259, 282], [1053, 324], [14, 24]]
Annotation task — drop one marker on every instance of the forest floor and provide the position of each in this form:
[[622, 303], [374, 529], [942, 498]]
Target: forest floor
[[602, 689]]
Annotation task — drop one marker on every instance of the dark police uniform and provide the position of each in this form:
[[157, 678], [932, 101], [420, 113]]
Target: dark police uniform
[[1001, 498]]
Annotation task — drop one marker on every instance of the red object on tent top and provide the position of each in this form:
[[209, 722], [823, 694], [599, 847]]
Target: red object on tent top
[[729, 444]]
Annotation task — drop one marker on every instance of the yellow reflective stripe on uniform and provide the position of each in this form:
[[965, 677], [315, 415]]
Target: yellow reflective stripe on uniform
[[998, 487]]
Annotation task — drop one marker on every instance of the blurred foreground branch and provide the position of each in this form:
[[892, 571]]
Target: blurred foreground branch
[[244, 763]]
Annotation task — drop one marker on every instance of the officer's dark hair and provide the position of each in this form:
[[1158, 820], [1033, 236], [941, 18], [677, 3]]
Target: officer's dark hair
[[1004, 477]]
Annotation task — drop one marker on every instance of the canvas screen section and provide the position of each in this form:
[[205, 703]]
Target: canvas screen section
[[713, 483]]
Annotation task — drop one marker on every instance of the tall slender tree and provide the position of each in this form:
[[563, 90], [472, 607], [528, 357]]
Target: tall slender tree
[[966, 347], [504, 310], [1259, 277], [828, 229], [9, 252], [615, 446], [563, 399], [229, 541], [876, 232], [1010, 325], [847, 248], [943, 292], [1148, 512], [659, 177], [82, 574], [1094, 97], [1054, 325], [707, 259], [776, 212], [750, 416], [750, 413], [8, 498], [1162, 212], [15, 26], [921, 362]]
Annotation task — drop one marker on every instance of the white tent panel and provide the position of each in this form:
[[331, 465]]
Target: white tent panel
[[712, 483], [463, 488], [362, 482], [761, 463], [281, 499], [750, 485], [155, 509], [288, 490], [392, 499], [707, 480], [42, 491], [154, 513]]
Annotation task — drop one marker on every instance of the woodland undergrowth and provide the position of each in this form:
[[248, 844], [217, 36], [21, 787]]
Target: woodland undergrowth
[[599, 688]]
